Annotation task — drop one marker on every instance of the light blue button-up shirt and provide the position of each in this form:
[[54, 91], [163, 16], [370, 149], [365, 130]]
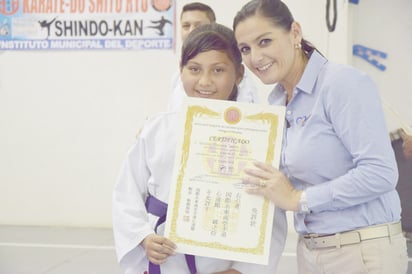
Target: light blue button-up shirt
[[337, 147]]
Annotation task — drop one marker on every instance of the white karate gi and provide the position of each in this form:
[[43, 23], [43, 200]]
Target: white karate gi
[[247, 91], [148, 168]]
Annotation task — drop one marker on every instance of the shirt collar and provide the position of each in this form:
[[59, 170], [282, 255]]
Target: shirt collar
[[306, 83]]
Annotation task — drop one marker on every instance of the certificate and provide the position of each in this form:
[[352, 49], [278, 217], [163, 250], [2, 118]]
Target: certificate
[[209, 213]]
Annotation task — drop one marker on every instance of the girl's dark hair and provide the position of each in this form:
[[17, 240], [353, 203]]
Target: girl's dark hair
[[274, 10], [212, 37]]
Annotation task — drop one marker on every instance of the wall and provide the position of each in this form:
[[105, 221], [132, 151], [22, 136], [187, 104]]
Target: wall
[[67, 118], [66, 122], [389, 33]]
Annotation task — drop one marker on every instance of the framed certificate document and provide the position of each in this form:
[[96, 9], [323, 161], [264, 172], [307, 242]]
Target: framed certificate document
[[209, 213]]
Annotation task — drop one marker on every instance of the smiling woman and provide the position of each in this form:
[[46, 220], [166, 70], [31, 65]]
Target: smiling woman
[[338, 172]]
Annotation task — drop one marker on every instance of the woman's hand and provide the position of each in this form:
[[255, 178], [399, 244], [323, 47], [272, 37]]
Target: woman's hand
[[272, 184], [407, 144], [158, 248]]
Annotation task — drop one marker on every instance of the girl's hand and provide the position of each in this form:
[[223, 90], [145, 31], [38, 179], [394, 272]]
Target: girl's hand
[[158, 248]]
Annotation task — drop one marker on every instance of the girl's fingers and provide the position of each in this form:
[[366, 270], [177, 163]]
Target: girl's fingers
[[159, 248], [169, 244]]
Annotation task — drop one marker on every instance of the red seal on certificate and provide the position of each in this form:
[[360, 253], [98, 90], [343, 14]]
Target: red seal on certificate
[[232, 115], [161, 5]]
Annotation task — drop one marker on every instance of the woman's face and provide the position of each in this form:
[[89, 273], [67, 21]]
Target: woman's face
[[268, 51], [210, 74]]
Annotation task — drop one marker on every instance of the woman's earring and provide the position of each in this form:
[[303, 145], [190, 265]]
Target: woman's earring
[[298, 46]]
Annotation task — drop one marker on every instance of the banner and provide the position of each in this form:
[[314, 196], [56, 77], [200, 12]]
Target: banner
[[87, 24]]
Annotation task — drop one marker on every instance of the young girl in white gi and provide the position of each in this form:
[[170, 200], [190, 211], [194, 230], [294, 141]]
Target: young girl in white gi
[[211, 67]]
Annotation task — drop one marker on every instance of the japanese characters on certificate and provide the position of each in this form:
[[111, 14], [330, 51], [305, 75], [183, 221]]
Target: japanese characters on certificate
[[209, 213]]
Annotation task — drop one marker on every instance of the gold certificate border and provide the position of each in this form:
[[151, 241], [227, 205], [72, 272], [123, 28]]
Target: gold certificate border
[[192, 112]]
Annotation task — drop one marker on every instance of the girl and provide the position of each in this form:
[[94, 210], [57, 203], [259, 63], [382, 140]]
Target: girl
[[211, 67]]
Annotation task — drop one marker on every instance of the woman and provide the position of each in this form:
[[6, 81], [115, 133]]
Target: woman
[[211, 67], [338, 172]]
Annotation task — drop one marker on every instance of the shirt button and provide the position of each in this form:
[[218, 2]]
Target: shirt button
[[289, 112]]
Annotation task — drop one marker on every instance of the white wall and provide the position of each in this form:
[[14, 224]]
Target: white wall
[[67, 118], [66, 121], [389, 32]]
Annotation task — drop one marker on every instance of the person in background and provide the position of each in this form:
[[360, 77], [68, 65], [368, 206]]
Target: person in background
[[192, 16], [338, 171], [407, 144], [402, 146], [211, 67]]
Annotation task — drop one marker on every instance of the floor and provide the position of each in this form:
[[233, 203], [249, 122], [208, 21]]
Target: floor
[[55, 250]]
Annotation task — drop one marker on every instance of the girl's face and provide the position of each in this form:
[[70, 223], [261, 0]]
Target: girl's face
[[210, 74], [268, 51]]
